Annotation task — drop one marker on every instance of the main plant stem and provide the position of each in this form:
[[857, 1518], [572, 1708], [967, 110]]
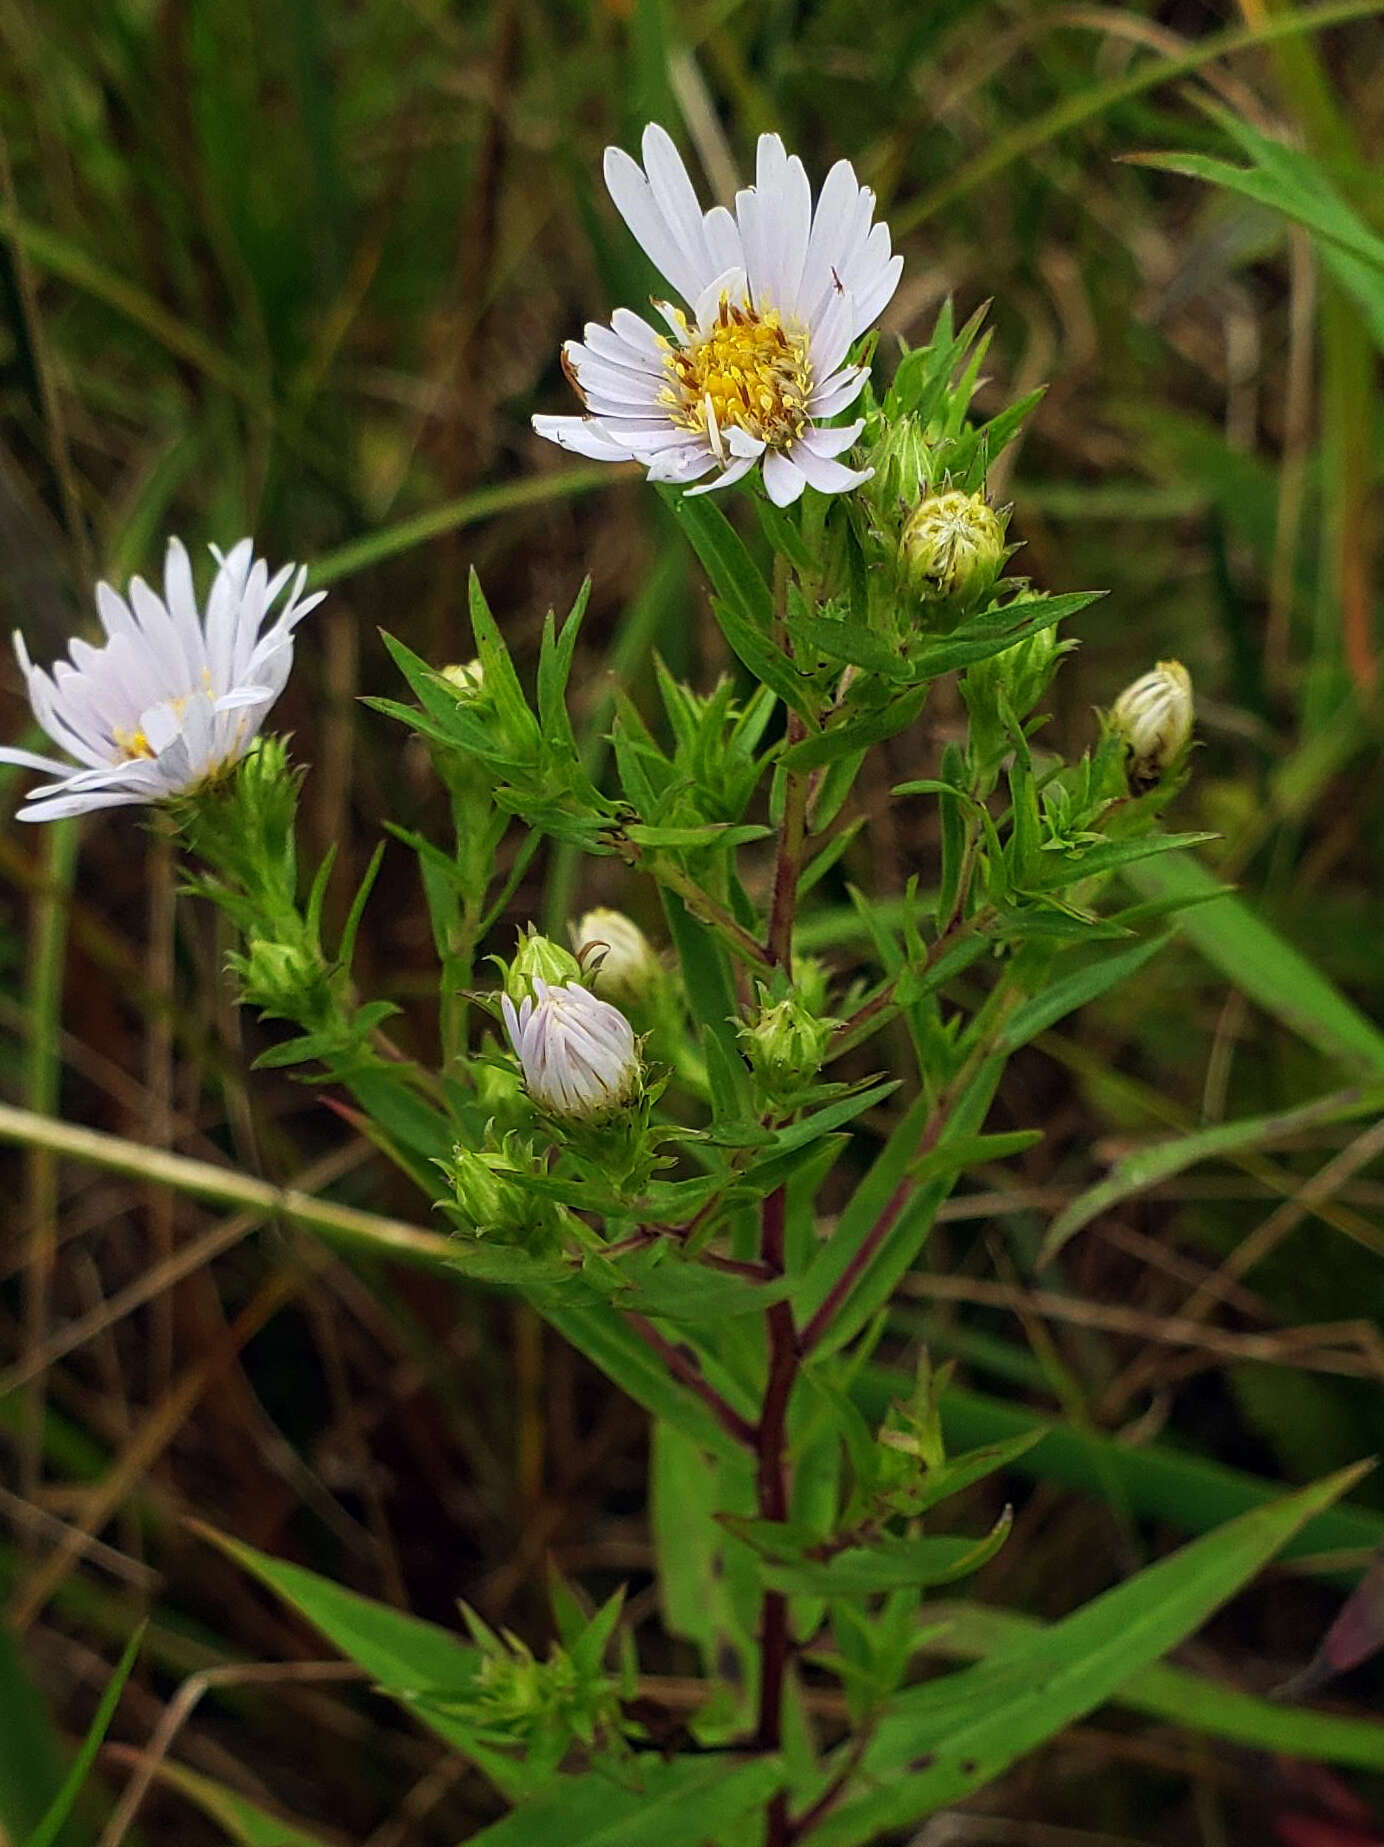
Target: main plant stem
[[772, 1489], [788, 868]]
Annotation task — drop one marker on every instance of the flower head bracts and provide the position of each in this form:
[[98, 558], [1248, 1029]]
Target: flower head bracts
[[777, 292], [578, 1053], [173, 697]]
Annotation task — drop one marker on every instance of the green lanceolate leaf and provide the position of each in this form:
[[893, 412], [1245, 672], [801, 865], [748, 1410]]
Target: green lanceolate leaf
[[898, 1564], [403, 1654], [1073, 991], [1191, 1701], [948, 1738], [602, 1334], [682, 1804], [733, 573]]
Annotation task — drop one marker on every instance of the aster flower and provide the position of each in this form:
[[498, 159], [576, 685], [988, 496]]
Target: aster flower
[[777, 292], [173, 697], [577, 1053]]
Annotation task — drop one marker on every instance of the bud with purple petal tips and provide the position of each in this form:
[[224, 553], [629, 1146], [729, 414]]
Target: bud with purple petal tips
[[578, 1054]]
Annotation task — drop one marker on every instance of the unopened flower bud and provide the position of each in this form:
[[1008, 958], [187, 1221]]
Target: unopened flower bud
[[286, 980], [811, 979], [1154, 717], [578, 1053], [618, 957], [485, 1196], [786, 1045], [952, 547], [467, 678], [538, 958], [902, 460]]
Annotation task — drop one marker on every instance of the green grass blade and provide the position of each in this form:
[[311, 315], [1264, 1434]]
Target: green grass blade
[[50, 1828], [30, 1764], [965, 1730], [1260, 962], [1147, 1166], [1088, 104], [484, 503], [243, 1821]]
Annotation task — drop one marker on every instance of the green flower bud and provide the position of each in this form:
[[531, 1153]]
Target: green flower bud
[[539, 958], [952, 548], [486, 1197], [902, 460], [618, 957], [467, 678], [811, 978], [285, 980], [786, 1044], [1154, 717]]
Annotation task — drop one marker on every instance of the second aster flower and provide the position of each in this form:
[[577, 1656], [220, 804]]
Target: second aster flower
[[778, 291], [578, 1053], [174, 697]]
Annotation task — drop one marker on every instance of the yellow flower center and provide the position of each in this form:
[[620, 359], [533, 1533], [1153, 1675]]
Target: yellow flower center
[[131, 744], [746, 372]]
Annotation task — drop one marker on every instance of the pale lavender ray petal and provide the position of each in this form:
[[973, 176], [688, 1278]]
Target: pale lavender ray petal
[[635, 202], [582, 436], [830, 442], [878, 294], [783, 482], [741, 466], [31, 760], [827, 476], [723, 239], [836, 392], [675, 196], [831, 333]]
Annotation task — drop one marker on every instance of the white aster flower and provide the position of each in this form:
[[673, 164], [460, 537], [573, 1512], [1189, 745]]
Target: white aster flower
[[777, 293], [578, 1053], [173, 697]]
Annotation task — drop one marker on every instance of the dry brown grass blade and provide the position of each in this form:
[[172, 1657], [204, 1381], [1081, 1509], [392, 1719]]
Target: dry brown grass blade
[[1312, 1195], [160, 1277], [158, 1429], [1353, 1348], [179, 1710]]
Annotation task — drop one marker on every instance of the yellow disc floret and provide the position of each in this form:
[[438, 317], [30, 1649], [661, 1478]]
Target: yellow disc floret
[[131, 744], [747, 371]]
